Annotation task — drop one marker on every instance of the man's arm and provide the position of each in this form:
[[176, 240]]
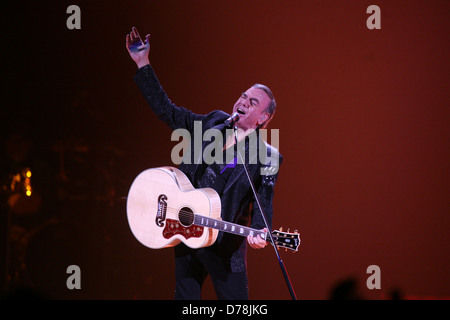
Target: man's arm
[[265, 194], [145, 78]]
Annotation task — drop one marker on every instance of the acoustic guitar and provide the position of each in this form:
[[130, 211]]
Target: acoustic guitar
[[164, 209]]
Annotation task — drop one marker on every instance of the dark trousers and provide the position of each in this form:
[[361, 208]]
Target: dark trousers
[[192, 267]]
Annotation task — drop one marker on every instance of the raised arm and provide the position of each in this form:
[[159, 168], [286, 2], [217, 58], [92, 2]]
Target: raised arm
[[175, 117]]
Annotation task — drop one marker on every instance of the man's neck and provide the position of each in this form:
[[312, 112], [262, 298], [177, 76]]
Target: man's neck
[[241, 134]]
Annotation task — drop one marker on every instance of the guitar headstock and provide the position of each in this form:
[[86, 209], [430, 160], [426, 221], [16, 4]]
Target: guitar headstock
[[287, 240]]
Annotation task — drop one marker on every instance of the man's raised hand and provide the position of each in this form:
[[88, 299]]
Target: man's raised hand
[[137, 48]]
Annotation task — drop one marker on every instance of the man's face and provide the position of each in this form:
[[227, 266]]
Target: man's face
[[251, 107]]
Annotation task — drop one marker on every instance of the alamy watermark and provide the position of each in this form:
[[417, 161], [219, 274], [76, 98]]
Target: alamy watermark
[[374, 20], [374, 280], [74, 280], [190, 149], [74, 20]]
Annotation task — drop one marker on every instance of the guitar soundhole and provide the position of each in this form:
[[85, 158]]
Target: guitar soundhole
[[186, 216]]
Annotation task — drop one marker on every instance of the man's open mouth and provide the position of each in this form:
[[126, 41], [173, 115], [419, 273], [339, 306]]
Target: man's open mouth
[[240, 111]]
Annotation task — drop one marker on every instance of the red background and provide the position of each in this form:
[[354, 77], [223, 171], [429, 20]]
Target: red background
[[364, 129]]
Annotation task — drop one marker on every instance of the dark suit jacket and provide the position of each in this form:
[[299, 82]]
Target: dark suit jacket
[[238, 203]]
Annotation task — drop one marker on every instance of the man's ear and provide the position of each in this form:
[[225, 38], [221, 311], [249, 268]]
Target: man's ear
[[264, 117]]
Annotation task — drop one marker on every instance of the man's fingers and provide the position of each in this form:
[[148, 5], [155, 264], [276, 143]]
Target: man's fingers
[[136, 34], [135, 31], [260, 241], [250, 241], [256, 242]]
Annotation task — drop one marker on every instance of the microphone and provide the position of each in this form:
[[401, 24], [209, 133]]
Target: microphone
[[232, 120]]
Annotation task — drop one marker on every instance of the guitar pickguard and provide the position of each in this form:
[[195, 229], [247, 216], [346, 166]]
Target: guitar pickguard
[[174, 227]]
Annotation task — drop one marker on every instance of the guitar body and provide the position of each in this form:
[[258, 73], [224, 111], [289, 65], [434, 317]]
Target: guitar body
[[161, 205]]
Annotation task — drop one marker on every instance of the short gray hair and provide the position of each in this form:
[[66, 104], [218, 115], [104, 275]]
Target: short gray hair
[[272, 105]]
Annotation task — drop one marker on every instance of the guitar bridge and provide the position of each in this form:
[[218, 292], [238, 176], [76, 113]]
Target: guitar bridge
[[162, 210]]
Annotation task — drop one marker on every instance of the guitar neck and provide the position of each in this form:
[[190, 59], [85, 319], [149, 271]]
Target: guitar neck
[[228, 227]]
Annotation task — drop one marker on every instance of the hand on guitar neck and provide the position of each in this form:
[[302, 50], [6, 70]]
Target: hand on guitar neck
[[257, 242]]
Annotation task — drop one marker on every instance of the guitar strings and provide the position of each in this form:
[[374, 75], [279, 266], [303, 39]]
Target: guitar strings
[[185, 214], [188, 214]]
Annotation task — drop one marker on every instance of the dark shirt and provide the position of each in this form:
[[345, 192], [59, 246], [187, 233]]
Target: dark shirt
[[216, 175]]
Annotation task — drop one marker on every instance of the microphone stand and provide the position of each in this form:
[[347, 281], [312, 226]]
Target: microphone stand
[[281, 263]]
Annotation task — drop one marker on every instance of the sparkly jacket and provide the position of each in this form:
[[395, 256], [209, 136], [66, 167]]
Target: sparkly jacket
[[237, 199]]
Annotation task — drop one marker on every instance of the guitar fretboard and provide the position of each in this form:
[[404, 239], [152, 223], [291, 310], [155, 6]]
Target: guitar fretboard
[[227, 227]]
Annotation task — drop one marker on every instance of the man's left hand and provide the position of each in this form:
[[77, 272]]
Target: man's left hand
[[257, 242]]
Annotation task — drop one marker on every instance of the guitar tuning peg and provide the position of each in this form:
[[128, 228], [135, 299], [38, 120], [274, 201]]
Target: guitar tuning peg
[[288, 230], [295, 231], [281, 229]]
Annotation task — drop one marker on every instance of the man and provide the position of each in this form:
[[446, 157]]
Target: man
[[225, 260]]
